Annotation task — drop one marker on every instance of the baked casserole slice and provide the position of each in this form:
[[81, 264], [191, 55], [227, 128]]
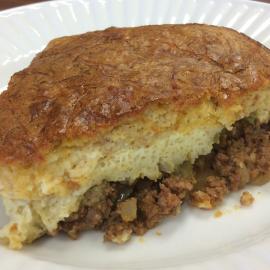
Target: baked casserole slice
[[102, 129]]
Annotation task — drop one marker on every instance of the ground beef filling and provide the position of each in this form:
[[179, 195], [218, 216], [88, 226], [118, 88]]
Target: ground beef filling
[[242, 157]]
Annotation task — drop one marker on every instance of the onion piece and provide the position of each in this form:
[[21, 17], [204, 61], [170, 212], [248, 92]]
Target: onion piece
[[224, 133], [258, 132], [164, 166], [201, 176], [128, 209], [261, 180], [249, 120], [185, 171], [244, 175]]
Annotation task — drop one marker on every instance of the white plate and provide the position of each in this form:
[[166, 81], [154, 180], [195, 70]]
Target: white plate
[[195, 239]]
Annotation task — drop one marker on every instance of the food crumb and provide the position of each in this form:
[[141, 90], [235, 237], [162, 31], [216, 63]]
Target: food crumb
[[246, 199], [218, 214], [237, 207], [141, 240], [225, 211], [259, 193], [158, 233]]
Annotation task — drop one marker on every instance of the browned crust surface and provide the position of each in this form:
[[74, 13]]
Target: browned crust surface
[[80, 86]]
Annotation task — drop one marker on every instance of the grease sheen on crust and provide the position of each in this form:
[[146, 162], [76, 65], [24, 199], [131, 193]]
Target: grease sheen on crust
[[80, 86]]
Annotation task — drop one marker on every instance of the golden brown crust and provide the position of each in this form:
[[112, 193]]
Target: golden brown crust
[[80, 86]]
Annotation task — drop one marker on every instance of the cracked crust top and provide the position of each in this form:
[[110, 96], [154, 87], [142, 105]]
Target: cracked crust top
[[80, 86]]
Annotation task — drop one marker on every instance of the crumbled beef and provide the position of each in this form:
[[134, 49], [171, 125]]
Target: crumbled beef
[[252, 150], [100, 207], [156, 201], [178, 186], [216, 188], [116, 229], [156, 206], [95, 207], [201, 199]]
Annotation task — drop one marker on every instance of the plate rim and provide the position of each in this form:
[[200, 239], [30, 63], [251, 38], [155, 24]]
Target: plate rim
[[11, 10]]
